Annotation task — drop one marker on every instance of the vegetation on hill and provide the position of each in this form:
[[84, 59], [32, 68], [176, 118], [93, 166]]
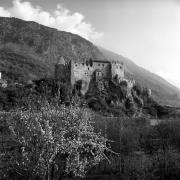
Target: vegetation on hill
[[29, 51], [105, 96]]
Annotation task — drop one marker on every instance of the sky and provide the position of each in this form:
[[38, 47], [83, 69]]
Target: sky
[[145, 31]]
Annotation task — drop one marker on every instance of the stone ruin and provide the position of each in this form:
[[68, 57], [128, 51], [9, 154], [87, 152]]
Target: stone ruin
[[84, 71]]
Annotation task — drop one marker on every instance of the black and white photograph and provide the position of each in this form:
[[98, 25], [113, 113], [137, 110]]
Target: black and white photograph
[[89, 89]]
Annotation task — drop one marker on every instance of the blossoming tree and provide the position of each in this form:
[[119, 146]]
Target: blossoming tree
[[54, 141]]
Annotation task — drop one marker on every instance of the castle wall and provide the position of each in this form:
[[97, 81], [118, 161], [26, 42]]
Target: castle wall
[[117, 69], [83, 72], [104, 67], [98, 75]]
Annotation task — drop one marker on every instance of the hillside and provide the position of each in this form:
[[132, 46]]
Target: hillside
[[29, 51], [162, 91]]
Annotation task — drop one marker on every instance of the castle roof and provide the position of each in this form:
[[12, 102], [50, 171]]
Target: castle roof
[[105, 61], [61, 61], [117, 62], [101, 61]]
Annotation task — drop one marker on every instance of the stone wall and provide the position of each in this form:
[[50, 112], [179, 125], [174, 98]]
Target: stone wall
[[117, 68], [83, 72], [104, 67]]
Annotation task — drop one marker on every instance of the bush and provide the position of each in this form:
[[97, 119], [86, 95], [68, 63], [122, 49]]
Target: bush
[[53, 141]]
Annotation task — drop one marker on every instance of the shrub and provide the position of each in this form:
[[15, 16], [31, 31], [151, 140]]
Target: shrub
[[53, 141]]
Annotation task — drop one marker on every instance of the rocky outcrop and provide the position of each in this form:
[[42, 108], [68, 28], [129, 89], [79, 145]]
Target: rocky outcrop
[[114, 97]]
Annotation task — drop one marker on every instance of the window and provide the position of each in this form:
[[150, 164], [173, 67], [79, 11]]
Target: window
[[91, 62], [103, 65]]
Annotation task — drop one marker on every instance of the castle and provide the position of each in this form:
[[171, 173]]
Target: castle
[[84, 71]]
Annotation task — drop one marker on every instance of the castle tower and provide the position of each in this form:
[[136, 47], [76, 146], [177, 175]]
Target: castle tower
[[117, 69], [62, 61], [60, 70]]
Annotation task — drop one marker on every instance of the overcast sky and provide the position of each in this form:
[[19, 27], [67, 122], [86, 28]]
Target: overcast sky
[[146, 31]]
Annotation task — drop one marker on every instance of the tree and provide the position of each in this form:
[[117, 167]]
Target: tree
[[53, 141]]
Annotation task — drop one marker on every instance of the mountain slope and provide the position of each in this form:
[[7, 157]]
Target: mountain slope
[[162, 91], [29, 43], [29, 50]]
